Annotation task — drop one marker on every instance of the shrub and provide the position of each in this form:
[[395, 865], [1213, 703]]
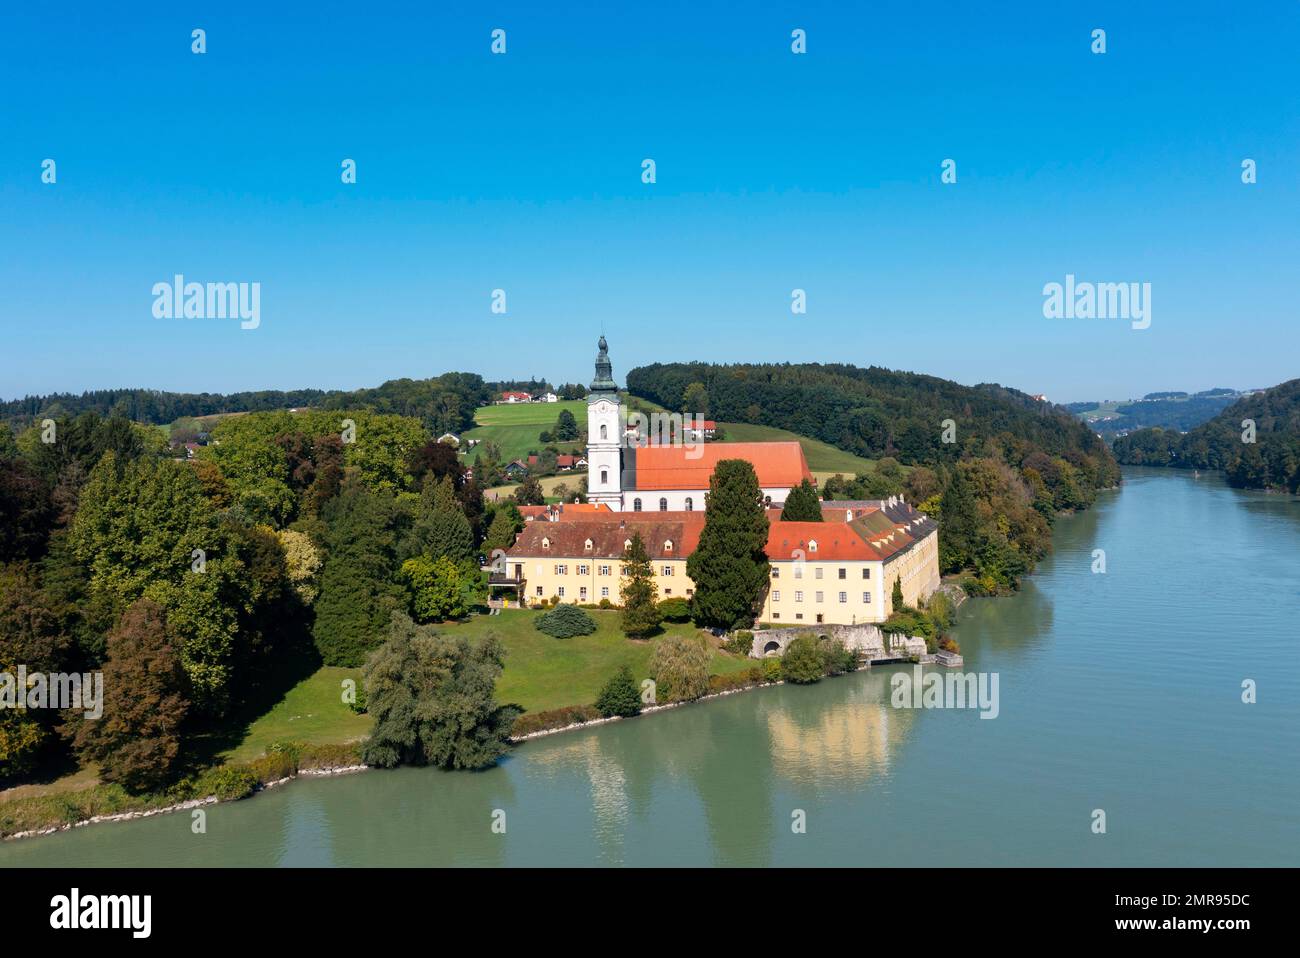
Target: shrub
[[620, 696], [949, 644], [836, 658], [227, 782], [532, 722], [606, 604], [801, 662], [359, 703], [771, 670], [675, 609], [740, 642], [680, 667], [565, 621]]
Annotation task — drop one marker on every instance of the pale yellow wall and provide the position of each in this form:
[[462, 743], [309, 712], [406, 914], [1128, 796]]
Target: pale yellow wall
[[793, 593], [917, 569], [542, 573]]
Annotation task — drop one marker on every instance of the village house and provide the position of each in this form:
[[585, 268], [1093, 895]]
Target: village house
[[515, 397]]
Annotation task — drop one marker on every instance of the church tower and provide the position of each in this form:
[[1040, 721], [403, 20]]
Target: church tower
[[604, 436]]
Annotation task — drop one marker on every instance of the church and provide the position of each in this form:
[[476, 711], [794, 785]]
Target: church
[[628, 474]]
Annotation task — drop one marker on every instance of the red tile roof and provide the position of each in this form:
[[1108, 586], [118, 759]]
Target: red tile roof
[[778, 464]]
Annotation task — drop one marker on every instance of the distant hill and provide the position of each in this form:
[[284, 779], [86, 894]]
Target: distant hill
[[1177, 411], [445, 403], [1272, 461], [875, 412]]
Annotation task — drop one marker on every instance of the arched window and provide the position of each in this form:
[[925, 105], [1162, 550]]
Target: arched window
[[690, 504], [636, 505], [604, 431], [604, 477], [663, 505]]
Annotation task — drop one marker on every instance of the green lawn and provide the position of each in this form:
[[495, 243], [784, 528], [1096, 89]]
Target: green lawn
[[312, 711], [516, 428], [545, 673], [822, 457], [540, 673]]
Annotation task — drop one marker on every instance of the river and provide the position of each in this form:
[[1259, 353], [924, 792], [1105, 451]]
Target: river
[[1119, 691]]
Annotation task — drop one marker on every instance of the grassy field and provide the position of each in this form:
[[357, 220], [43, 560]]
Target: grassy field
[[540, 673], [822, 457], [549, 483], [516, 428], [312, 711]]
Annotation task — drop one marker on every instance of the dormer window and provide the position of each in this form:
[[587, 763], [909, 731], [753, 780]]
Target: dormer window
[[627, 544], [546, 543], [812, 545], [587, 545], [668, 545]]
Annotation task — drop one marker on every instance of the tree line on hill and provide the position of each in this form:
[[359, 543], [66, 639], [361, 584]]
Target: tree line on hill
[[1255, 442], [993, 465], [443, 404]]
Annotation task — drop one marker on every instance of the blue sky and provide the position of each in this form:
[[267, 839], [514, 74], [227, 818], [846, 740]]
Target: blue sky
[[523, 172]]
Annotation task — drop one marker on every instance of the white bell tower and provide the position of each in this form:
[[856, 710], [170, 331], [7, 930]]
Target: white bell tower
[[604, 436]]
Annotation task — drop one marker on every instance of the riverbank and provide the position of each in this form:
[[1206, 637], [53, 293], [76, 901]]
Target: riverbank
[[51, 814]]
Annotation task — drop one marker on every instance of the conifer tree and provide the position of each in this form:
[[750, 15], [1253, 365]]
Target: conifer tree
[[729, 566], [641, 614], [802, 505]]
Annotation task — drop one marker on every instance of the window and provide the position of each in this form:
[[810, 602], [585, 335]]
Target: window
[[561, 570], [584, 570], [668, 570], [636, 505], [546, 543], [689, 593], [582, 593], [668, 545], [798, 596], [668, 591], [539, 590], [690, 504], [812, 545], [844, 597], [776, 615], [602, 570], [604, 592], [844, 573], [798, 570], [560, 592], [817, 573], [866, 597], [819, 597], [866, 573], [587, 545], [776, 596], [820, 618], [776, 573], [663, 505], [604, 477], [798, 615]]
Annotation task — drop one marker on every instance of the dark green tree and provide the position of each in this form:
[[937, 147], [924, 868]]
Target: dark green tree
[[729, 566], [566, 427], [801, 662], [529, 492], [958, 523], [896, 595], [620, 696], [802, 505], [641, 615], [434, 700], [358, 587]]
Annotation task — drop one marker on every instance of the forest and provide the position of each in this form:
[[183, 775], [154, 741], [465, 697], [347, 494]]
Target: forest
[[1255, 442]]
